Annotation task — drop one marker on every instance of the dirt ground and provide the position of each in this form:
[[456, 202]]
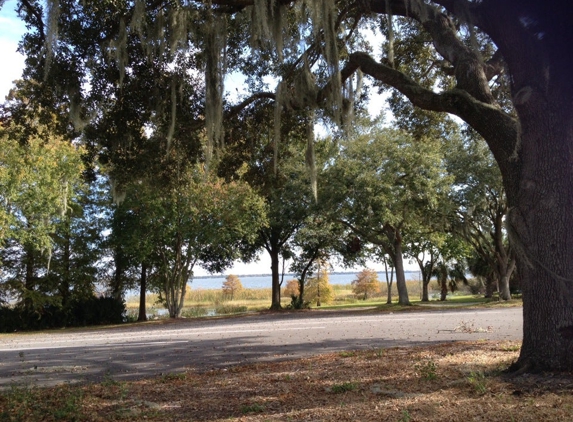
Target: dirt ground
[[462, 381]]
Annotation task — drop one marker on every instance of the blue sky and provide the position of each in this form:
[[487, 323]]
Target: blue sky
[[10, 34]]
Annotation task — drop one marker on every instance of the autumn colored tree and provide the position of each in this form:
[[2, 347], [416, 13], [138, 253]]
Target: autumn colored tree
[[292, 288], [366, 283], [318, 289], [232, 285]]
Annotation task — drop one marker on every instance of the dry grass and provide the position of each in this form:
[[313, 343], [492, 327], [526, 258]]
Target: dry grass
[[259, 299], [452, 382]]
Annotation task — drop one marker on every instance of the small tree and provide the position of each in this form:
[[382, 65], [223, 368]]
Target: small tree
[[318, 289], [292, 288], [232, 285], [366, 283]]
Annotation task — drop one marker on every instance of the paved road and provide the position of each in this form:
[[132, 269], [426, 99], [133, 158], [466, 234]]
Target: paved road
[[137, 351]]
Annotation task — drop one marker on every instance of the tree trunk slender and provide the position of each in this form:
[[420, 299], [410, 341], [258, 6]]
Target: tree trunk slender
[[142, 291], [389, 282], [276, 288], [400, 276]]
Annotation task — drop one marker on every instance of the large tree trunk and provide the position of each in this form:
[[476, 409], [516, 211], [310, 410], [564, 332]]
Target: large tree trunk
[[542, 226], [534, 153], [538, 177]]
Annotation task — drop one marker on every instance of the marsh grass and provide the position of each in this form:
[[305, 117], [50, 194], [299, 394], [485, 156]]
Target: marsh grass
[[207, 302]]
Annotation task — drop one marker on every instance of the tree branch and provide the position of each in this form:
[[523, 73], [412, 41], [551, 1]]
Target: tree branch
[[236, 109], [497, 127], [39, 21]]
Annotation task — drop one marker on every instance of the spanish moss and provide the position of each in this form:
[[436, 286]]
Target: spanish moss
[[52, 17], [214, 71], [171, 130], [323, 14], [310, 155], [279, 101]]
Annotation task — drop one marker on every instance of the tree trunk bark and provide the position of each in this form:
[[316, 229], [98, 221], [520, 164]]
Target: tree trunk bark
[[541, 224], [275, 279], [425, 295], [389, 282], [142, 291], [443, 283], [490, 284], [30, 279], [117, 283], [66, 279], [400, 276]]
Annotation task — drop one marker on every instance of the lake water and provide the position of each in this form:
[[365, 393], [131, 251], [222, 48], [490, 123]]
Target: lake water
[[264, 281]]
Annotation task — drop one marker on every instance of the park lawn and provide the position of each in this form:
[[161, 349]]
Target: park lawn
[[446, 382]]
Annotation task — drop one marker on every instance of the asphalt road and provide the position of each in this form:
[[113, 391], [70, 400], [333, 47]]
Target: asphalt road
[[138, 351]]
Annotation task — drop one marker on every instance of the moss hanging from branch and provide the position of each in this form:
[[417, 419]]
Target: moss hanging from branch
[[260, 30], [324, 15], [310, 155], [52, 31], [350, 94], [214, 71], [138, 19], [119, 50], [390, 36], [279, 107], [178, 18], [267, 25], [118, 192], [305, 88], [173, 117]]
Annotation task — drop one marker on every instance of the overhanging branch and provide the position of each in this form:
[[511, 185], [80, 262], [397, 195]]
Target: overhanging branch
[[497, 127]]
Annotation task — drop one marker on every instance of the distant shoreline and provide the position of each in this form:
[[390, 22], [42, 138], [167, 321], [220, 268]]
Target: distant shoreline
[[206, 277]]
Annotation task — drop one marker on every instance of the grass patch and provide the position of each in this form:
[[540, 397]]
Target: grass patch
[[344, 387], [427, 370], [32, 404], [252, 408], [478, 380]]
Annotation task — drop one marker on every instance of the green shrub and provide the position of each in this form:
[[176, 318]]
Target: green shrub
[[78, 312]]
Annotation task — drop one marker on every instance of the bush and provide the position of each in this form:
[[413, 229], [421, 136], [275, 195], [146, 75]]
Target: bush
[[9, 319], [96, 311], [77, 313]]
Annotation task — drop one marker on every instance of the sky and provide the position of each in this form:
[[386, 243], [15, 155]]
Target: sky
[[12, 29], [10, 34]]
